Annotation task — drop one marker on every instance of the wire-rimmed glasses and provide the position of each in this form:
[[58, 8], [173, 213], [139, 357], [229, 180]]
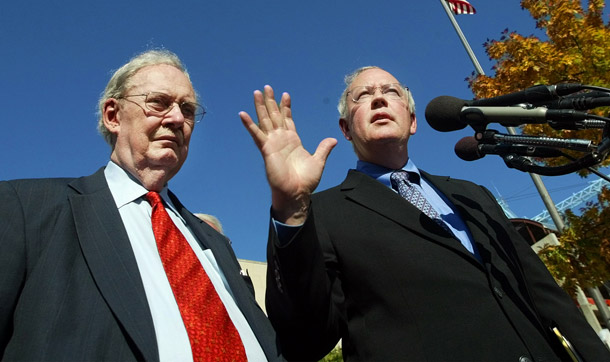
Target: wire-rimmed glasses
[[159, 104], [394, 91]]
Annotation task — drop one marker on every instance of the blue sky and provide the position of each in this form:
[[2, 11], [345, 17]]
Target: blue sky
[[58, 56]]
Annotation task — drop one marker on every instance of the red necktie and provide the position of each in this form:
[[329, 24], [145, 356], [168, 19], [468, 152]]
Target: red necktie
[[212, 335]]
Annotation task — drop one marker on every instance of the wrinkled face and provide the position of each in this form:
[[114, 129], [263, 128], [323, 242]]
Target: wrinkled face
[[380, 118], [150, 142]]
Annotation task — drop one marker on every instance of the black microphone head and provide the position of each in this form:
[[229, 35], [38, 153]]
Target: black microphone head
[[444, 113], [468, 149]]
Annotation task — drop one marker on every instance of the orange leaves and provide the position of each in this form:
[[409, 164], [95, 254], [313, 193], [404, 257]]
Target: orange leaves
[[577, 50]]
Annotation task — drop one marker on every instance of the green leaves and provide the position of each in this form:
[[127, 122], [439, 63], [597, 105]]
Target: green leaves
[[583, 254]]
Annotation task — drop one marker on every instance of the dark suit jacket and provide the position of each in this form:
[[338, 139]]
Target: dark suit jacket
[[70, 288], [370, 268]]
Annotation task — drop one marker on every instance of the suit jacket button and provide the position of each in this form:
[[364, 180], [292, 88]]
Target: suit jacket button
[[524, 359], [278, 281]]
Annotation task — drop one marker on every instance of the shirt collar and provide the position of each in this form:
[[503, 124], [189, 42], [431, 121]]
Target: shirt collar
[[125, 188], [382, 174]]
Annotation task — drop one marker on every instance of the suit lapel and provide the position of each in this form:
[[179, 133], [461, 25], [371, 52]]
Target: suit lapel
[[371, 194], [108, 253], [463, 202], [491, 234], [478, 213]]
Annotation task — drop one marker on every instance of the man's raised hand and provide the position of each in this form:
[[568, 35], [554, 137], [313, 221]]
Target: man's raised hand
[[292, 172]]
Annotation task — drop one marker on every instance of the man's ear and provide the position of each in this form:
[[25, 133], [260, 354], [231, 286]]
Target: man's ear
[[344, 125], [413, 124], [111, 116]]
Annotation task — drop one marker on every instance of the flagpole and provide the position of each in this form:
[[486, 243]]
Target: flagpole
[[542, 190], [475, 62]]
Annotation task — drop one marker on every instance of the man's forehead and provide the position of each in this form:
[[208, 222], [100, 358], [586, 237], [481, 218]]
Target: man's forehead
[[162, 77], [374, 76]]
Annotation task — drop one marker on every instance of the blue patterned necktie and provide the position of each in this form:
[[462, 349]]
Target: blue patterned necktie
[[401, 183]]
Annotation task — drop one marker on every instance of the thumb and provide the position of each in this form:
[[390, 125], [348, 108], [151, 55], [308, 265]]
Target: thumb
[[324, 149]]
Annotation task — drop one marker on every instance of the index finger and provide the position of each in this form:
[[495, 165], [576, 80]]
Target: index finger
[[258, 136]]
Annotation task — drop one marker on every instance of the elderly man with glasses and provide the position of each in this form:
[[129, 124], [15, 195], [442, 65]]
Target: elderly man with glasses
[[112, 267], [399, 264]]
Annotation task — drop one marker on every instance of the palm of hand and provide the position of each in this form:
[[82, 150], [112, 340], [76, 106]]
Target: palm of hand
[[292, 172], [289, 166]]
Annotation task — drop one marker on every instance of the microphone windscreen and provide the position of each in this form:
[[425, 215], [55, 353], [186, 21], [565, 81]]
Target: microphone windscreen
[[468, 149], [444, 113]]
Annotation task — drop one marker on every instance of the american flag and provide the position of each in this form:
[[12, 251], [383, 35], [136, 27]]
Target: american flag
[[461, 7]]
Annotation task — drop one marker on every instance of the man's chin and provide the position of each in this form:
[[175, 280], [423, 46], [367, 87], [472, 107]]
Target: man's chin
[[167, 158], [388, 137]]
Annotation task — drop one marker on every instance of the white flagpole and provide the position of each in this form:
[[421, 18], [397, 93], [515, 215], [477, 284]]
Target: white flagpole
[[542, 190]]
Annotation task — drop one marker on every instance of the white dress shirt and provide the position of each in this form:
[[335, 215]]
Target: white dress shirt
[[171, 334]]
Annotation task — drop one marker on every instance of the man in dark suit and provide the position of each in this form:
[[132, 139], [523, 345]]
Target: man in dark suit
[[400, 264], [82, 277]]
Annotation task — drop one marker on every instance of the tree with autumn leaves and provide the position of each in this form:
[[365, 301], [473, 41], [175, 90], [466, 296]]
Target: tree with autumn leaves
[[583, 256], [577, 50]]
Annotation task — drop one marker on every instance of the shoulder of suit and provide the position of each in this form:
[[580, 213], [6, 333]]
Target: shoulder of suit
[[33, 184], [53, 187], [36, 196], [47, 191], [353, 180], [327, 194]]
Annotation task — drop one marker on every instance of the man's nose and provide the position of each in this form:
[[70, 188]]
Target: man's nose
[[379, 100], [174, 116]]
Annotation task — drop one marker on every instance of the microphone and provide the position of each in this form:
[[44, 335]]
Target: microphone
[[581, 101], [524, 164], [491, 136], [444, 113], [447, 114], [578, 125], [594, 158], [469, 149], [532, 95]]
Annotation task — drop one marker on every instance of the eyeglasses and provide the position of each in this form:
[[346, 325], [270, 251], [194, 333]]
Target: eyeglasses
[[159, 104], [394, 91]]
